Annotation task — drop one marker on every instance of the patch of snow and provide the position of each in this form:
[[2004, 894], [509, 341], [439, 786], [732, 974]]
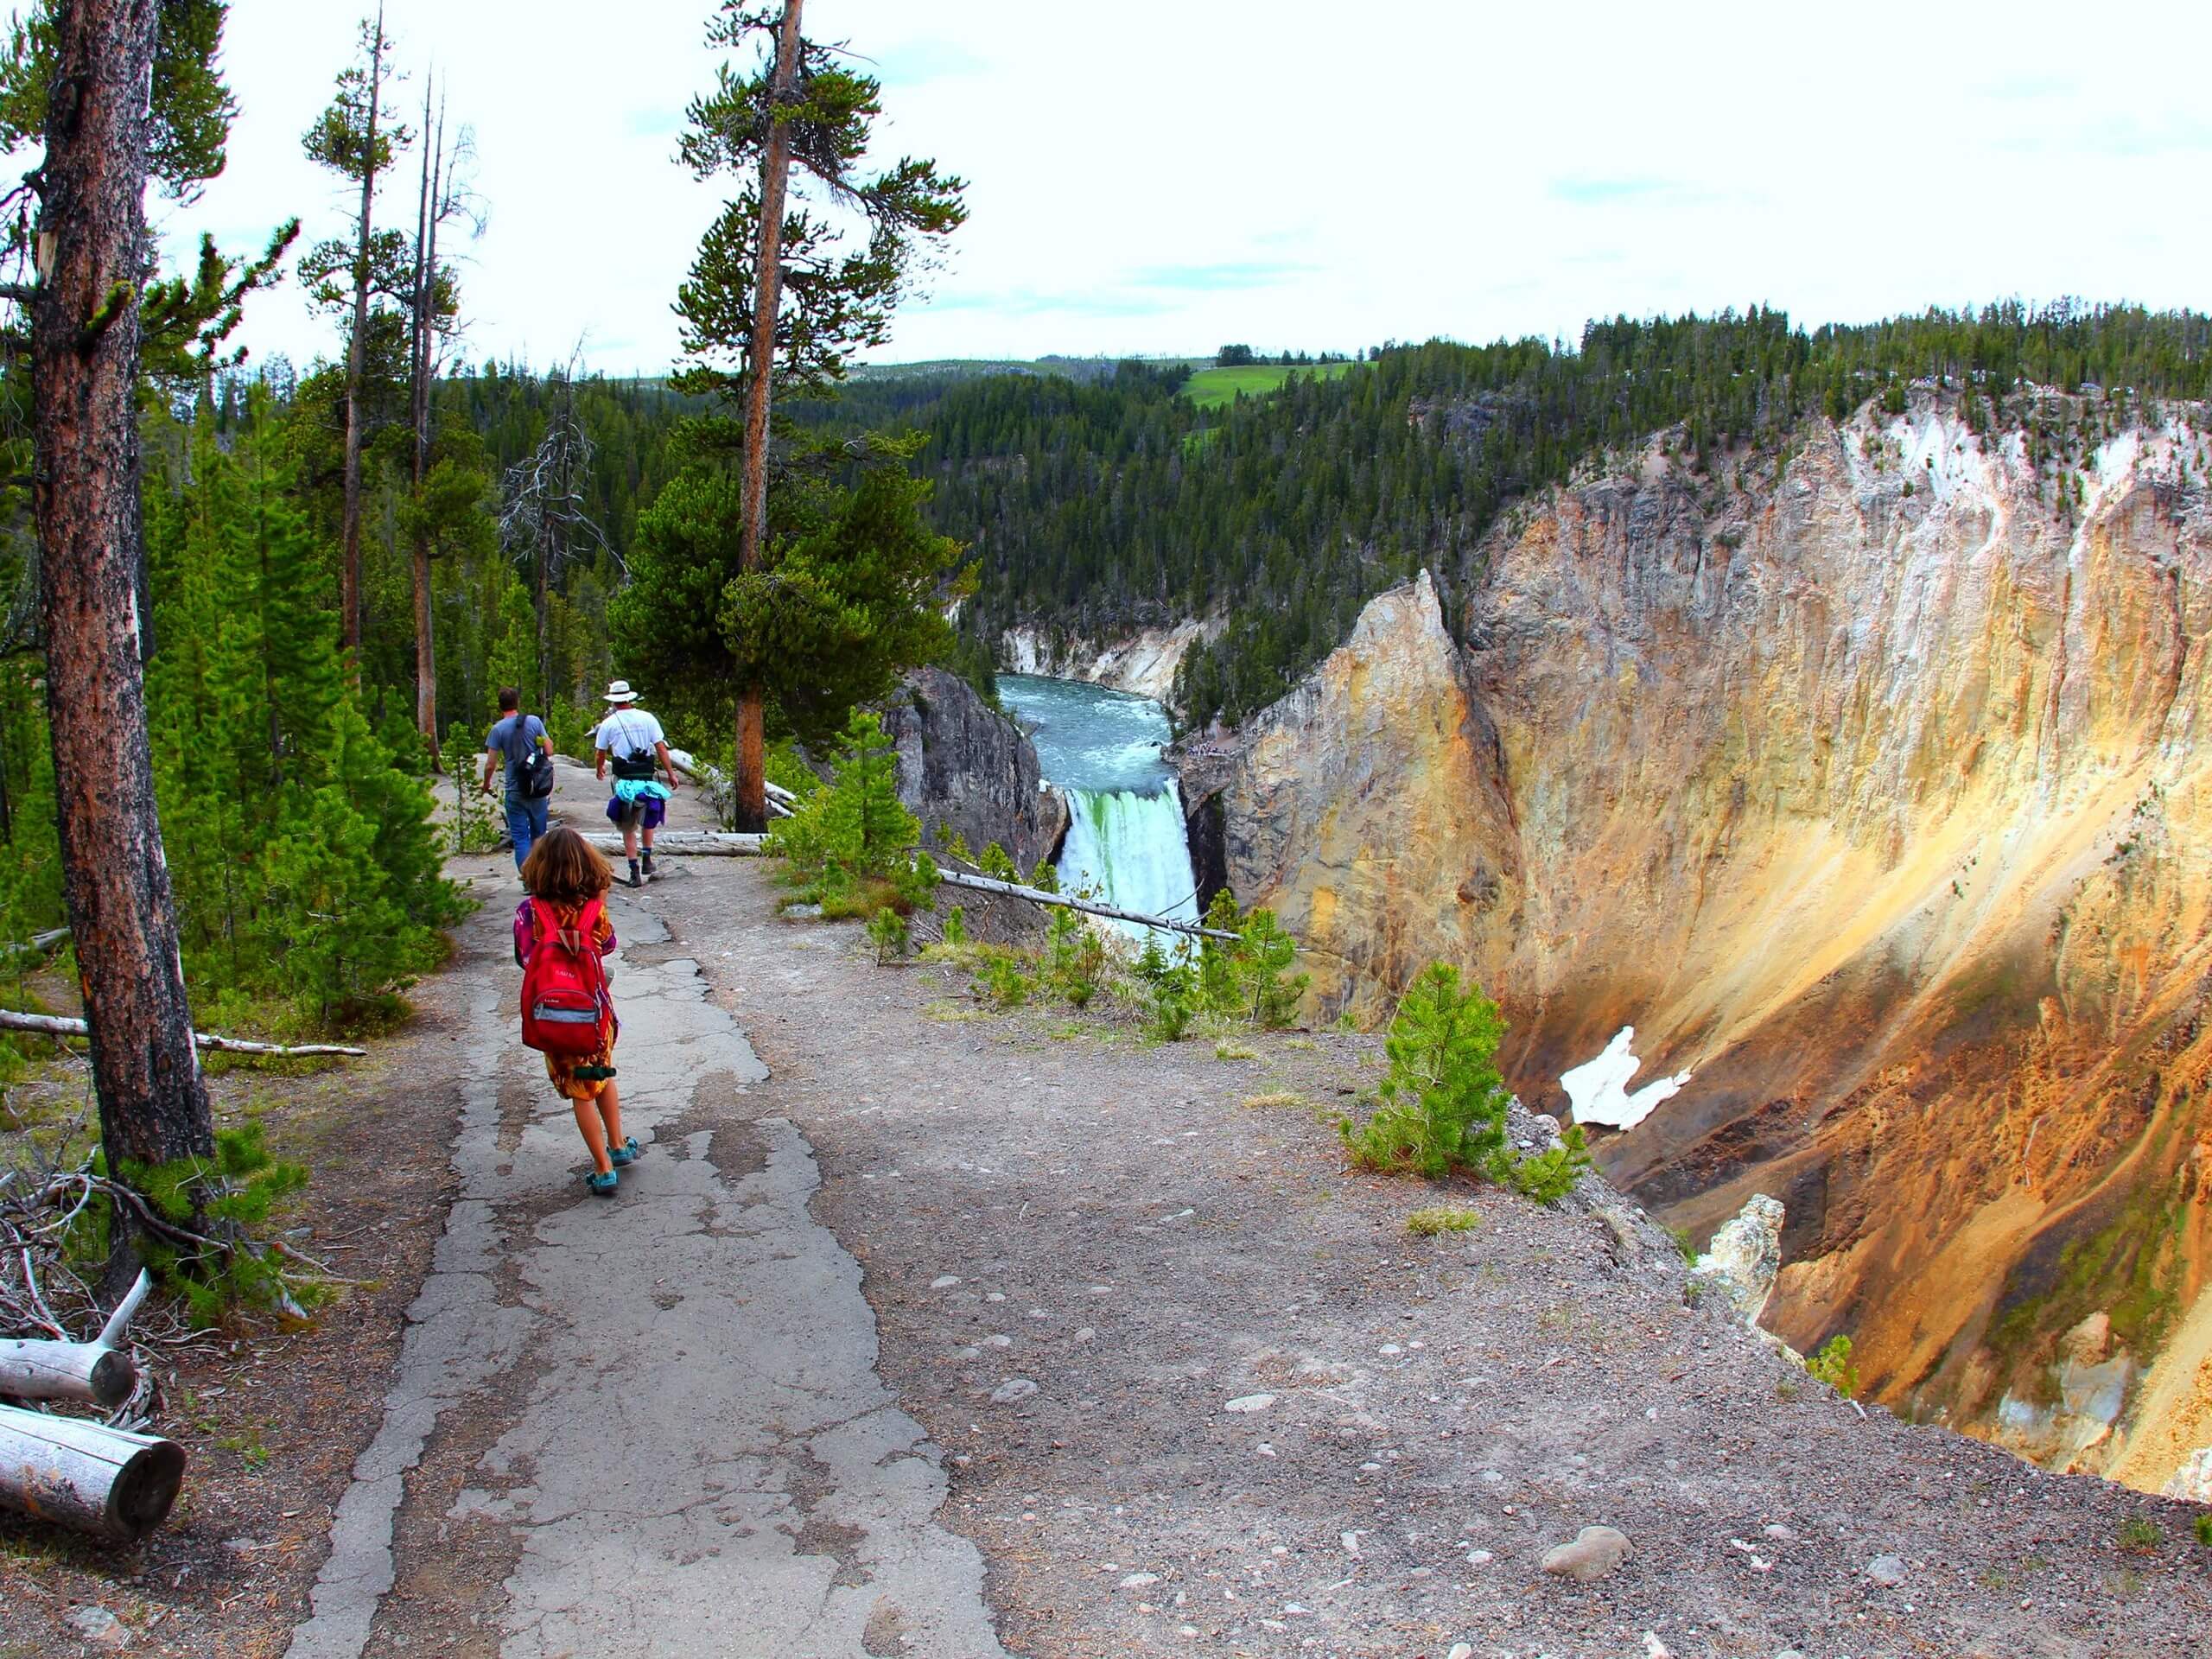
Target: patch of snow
[[1598, 1089]]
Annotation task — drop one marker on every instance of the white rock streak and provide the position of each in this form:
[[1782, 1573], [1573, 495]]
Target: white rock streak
[[1598, 1089]]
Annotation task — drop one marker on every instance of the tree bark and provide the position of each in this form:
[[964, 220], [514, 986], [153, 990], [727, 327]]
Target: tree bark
[[751, 806], [357, 351], [84, 347]]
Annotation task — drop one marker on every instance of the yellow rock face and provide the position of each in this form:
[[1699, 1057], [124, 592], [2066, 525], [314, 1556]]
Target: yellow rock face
[[1874, 795]]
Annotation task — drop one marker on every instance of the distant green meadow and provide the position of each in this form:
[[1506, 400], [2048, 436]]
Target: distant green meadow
[[1213, 388]]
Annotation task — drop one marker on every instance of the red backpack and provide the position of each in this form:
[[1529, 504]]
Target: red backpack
[[565, 1007]]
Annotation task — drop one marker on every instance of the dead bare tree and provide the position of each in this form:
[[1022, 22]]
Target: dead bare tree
[[432, 308], [544, 524]]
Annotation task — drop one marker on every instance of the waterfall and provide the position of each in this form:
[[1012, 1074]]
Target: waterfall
[[1102, 750], [1128, 847]]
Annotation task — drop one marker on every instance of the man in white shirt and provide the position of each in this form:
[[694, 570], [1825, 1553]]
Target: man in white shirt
[[631, 741]]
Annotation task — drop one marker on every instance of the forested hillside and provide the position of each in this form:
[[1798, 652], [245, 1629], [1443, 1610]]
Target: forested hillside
[[1105, 507]]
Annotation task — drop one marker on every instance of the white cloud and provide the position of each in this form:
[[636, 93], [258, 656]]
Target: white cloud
[[1163, 177]]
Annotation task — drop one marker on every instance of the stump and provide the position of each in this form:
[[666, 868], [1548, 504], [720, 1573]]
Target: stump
[[103, 1481]]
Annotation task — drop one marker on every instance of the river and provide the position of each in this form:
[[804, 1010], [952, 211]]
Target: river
[[1100, 749]]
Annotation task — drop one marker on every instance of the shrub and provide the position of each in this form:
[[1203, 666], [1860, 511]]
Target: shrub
[[1441, 1218], [956, 927], [1832, 1366], [1001, 981], [1074, 959], [1551, 1174], [1225, 1050], [1443, 1101], [2139, 1534], [1045, 878], [855, 826], [2204, 1529], [228, 1203], [891, 934], [997, 864], [1171, 988]]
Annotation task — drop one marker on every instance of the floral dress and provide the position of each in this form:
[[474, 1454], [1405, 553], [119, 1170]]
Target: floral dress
[[574, 1078]]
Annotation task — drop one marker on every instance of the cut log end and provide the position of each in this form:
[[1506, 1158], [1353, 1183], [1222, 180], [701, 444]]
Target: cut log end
[[145, 1491]]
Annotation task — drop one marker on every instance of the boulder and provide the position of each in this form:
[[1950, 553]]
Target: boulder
[[1594, 1552], [964, 764]]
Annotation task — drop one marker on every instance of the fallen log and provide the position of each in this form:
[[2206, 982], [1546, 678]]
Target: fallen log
[[101, 1480], [38, 943], [689, 843], [1039, 896], [57, 1025], [33, 1368]]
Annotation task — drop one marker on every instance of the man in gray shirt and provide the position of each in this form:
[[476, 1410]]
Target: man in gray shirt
[[520, 741]]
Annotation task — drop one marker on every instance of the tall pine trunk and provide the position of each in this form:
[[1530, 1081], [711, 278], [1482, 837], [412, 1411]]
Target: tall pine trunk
[[357, 351], [752, 802], [84, 347], [419, 370]]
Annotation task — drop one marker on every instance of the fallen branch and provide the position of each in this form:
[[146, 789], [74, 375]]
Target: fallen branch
[[56, 1025], [1039, 896], [38, 943]]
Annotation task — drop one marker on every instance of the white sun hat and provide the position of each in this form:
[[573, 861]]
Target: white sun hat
[[619, 691]]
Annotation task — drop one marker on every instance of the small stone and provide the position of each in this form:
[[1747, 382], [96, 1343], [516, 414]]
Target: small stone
[[100, 1627], [1789, 1653], [998, 1342], [1139, 1581], [996, 1296], [1595, 1552], [1479, 1558], [1391, 1348], [1250, 1402], [966, 1353], [1780, 1534], [944, 1281], [1460, 1650], [1653, 1648], [1088, 1333], [1886, 1570], [1012, 1389]]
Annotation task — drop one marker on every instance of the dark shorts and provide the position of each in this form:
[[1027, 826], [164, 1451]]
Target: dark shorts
[[644, 813]]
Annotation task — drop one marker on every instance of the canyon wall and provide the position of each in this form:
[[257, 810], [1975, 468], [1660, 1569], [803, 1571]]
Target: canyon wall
[[1143, 664], [1871, 785]]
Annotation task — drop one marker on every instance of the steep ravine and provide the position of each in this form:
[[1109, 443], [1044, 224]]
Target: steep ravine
[[1872, 788]]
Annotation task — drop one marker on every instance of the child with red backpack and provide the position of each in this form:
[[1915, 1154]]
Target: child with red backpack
[[562, 937]]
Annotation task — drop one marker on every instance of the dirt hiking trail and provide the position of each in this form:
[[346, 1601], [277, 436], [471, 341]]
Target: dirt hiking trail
[[918, 1331]]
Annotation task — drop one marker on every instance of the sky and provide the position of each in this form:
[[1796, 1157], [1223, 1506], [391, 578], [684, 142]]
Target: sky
[[1163, 178]]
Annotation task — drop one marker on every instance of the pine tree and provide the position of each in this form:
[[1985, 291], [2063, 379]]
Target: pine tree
[[778, 292]]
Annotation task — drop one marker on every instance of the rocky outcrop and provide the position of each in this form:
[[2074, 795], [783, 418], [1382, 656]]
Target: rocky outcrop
[[1874, 788], [965, 765], [1143, 663], [1744, 1258]]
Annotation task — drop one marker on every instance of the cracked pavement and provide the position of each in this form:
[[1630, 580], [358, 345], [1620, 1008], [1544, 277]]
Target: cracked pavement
[[647, 1425]]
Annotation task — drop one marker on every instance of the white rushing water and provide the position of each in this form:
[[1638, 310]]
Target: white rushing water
[[1102, 750]]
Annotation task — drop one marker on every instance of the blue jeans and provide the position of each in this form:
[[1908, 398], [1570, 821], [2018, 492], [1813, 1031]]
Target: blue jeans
[[525, 822]]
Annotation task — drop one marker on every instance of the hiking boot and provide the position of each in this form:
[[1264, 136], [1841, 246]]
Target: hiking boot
[[635, 880], [649, 863]]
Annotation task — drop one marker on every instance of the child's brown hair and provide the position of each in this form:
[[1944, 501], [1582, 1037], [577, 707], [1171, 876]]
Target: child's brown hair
[[563, 869]]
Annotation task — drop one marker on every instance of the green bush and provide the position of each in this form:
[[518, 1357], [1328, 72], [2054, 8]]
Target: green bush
[[1443, 1100], [1074, 959], [997, 864], [1832, 1366], [1001, 981], [1045, 878], [856, 827], [1172, 990], [891, 933], [1248, 978], [229, 1203], [2204, 1529], [1551, 1174], [956, 928]]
